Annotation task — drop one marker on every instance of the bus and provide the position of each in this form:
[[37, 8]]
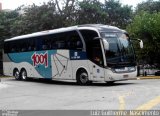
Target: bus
[[84, 53]]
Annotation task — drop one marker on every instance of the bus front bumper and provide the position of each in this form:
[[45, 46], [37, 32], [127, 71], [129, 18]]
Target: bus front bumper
[[112, 76]]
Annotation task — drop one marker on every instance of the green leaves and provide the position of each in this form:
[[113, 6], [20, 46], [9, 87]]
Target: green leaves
[[146, 26], [118, 15], [6, 20], [91, 11], [56, 14]]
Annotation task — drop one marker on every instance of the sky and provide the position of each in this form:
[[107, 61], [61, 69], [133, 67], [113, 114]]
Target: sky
[[13, 4]]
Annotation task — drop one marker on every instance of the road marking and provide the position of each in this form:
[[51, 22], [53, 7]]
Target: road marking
[[150, 104], [121, 102], [122, 99]]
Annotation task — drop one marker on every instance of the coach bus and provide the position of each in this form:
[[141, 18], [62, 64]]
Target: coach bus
[[85, 53]]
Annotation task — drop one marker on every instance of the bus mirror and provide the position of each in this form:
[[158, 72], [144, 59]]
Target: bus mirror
[[106, 44], [141, 44]]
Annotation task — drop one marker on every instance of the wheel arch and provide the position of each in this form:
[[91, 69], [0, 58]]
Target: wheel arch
[[23, 69], [80, 69]]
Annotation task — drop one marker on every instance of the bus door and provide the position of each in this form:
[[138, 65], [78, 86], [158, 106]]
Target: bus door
[[96, 56]]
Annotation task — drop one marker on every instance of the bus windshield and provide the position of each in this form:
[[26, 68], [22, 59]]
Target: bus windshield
[[120, 50]]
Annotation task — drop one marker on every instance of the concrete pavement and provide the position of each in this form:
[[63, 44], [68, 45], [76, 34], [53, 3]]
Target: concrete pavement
[[54, 95]]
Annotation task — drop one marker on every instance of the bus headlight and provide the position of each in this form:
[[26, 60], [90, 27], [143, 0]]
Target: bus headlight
[[124, 69], [131, 69]]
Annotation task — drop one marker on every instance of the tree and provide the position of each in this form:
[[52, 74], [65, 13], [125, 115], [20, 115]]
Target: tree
[[146, 26], [118, 15], [36, 18], [91, 11], [67, 10], [149, 5], [6, 20]]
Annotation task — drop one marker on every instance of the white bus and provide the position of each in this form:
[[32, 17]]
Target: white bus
[[85, 53]]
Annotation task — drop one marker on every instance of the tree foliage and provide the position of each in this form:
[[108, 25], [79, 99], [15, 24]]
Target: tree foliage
[[35, 18], [91, 11], [6, 20], [119, 15], [150, 5], [146, 26], [55, 14]]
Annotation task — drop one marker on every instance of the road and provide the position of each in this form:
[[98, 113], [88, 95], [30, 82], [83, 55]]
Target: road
[[54, 95]]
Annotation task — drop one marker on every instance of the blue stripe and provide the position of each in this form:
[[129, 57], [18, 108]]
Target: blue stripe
[[45, 72]]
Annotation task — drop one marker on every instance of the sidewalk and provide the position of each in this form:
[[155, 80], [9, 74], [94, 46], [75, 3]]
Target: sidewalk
[[148, 77]]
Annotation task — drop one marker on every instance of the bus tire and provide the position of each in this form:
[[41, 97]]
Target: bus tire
[[23, 74], [82, 77], [16, 74]]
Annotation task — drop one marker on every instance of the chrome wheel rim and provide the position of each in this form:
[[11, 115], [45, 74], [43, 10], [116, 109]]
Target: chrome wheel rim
[[24, 75], [16, 75]]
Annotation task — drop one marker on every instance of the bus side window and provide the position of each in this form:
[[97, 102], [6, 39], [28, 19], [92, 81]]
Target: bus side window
[[6, 47], [53, 44], [46, 42], [31, 44], [93, 48], [74, 41], [60, 44], [79, 45], [24, 47], [14, 46], [44, 45], [9, 47], [24, 44], [60, 40]]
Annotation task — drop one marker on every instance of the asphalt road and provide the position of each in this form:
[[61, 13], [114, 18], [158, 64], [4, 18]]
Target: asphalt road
[[43, 95]]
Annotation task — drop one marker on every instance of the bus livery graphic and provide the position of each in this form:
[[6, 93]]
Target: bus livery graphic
[[40, 59]]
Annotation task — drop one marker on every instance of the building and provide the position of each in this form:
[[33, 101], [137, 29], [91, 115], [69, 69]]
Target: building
[[0, 6]]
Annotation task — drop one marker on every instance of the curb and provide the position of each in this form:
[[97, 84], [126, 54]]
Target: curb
[[148, 77]]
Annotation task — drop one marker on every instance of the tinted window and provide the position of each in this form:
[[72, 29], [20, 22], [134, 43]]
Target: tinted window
[[6, 47], [22, 45], [66, 40], [88, 35], [74, 41]]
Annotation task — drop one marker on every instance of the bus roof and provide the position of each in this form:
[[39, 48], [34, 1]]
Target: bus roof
[[97, 27]]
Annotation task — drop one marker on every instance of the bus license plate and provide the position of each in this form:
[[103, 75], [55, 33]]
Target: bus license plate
[[125, 76]]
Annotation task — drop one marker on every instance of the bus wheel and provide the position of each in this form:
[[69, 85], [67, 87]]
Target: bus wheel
[[16, 74], [23, 74], [82, 77]]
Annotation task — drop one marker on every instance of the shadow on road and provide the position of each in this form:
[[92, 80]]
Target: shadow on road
[[55, 82]]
